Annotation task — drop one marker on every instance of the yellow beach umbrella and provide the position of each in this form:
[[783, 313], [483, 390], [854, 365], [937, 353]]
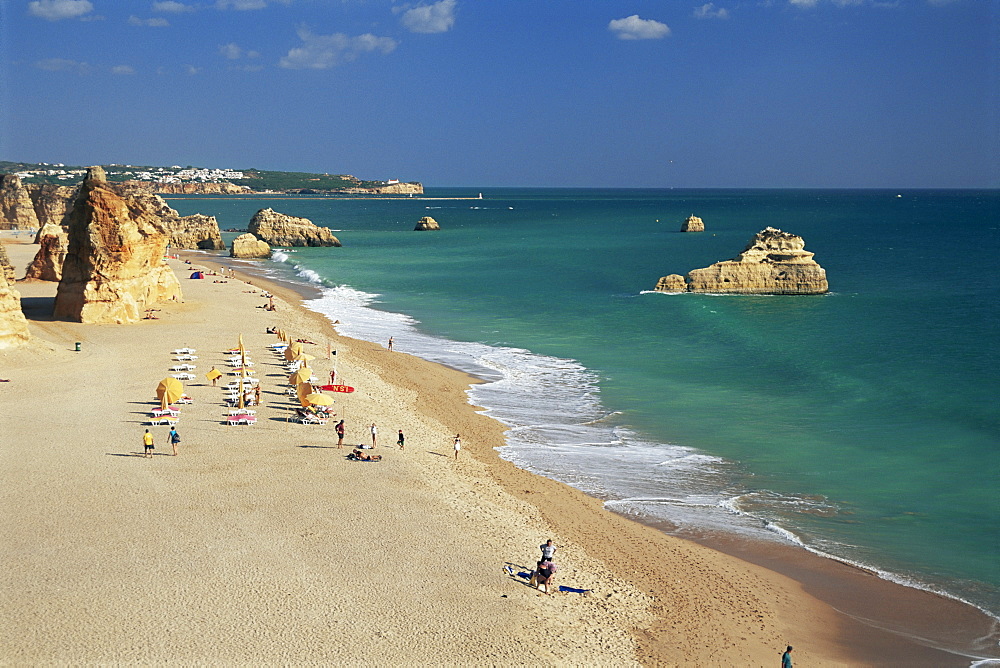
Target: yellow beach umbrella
[[303, 357], [302, 375], [168, 391], [292, 351], [317, 399], [303, 391]]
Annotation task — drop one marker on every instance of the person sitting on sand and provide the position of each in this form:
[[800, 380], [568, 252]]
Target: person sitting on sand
[[543, 575]]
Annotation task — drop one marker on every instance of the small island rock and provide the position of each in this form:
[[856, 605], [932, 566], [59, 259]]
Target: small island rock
[[279, 229], [693, 224], [773, 263], [426, 223]]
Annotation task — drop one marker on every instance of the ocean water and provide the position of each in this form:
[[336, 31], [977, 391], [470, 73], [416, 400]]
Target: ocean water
[[863, 424]]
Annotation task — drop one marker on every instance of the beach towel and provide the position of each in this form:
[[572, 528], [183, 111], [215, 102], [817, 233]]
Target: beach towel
[[574, 590]]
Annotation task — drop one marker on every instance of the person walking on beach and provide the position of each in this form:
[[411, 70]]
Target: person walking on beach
[[390, 344], [175, 438], [215, 378], [458, 445], [374, 435], [548, 549], [786, 658], [340, 434], [147, 444], [402, 440]]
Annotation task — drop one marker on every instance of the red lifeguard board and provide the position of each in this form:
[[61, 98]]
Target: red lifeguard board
[[337, 388]]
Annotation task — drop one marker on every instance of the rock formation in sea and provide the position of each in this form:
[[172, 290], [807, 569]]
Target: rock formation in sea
[[426, 223], [114, 267], [52, 245], [13, 325], [16, 211], [278, 229], [693, 224], [51, 202], [248, 246], [773, 263]]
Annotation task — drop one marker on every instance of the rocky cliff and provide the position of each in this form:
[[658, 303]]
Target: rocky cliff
[[195, 231], [13, 326], [426, 223], [47, 264], [207, 188], [114, 266], [397, 189], [51, 202], [248, 246], [773, 263], [278, 229], [16, 211], [693, 224]]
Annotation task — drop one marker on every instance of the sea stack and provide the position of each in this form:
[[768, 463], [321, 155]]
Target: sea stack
[[13, 325], [114, 268], [693, 224], [773, 263], [426, 223], [278, 229], [249, 247], [53, 243]]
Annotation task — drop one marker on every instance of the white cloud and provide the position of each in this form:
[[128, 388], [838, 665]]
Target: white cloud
[[172, 7], [123, 69], [54, 10], [803, 3], [632, 27], [63, 65], [192, 70], [242, 5], [709, 11], [320, 52], [152, 23], [439, 17], [234, 52]]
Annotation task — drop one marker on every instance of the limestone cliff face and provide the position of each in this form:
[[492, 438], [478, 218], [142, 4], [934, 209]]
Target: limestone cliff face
[[278, 229], [195, 231], [773, 263], [208, 188], [248, 246], [114, 266], [6, 268], [426, 223], [51, 202], [671, 283], [16, 211], [398, 189], [13, 326], [47, 265], [693, 224]]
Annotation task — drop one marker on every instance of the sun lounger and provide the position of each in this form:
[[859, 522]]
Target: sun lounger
[[241, 419], [164, 419], [183, 376], [313, 419], [183, 367], [185, 358], [183, 351], [169, 410], [241, 411]]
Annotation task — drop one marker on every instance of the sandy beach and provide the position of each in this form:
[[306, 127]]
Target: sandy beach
[[263, 544]]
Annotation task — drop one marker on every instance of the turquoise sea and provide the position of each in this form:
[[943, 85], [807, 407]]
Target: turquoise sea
[[863, 424]]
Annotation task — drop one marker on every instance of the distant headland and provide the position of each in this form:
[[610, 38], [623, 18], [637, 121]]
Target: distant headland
[[177, 180]]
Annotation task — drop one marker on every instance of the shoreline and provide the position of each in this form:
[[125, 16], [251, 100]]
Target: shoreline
[[709, 608], [879, 617]]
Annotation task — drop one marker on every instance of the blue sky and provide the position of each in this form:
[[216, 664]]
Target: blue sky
[[602, 93]]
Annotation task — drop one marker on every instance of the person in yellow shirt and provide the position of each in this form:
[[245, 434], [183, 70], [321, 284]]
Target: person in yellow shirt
[[147, 444]]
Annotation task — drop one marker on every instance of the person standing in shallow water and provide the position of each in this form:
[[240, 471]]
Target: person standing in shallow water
[[390, 344], [786, 658]]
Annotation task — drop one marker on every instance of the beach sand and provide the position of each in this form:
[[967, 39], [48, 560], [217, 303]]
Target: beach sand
[[262, 544]]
